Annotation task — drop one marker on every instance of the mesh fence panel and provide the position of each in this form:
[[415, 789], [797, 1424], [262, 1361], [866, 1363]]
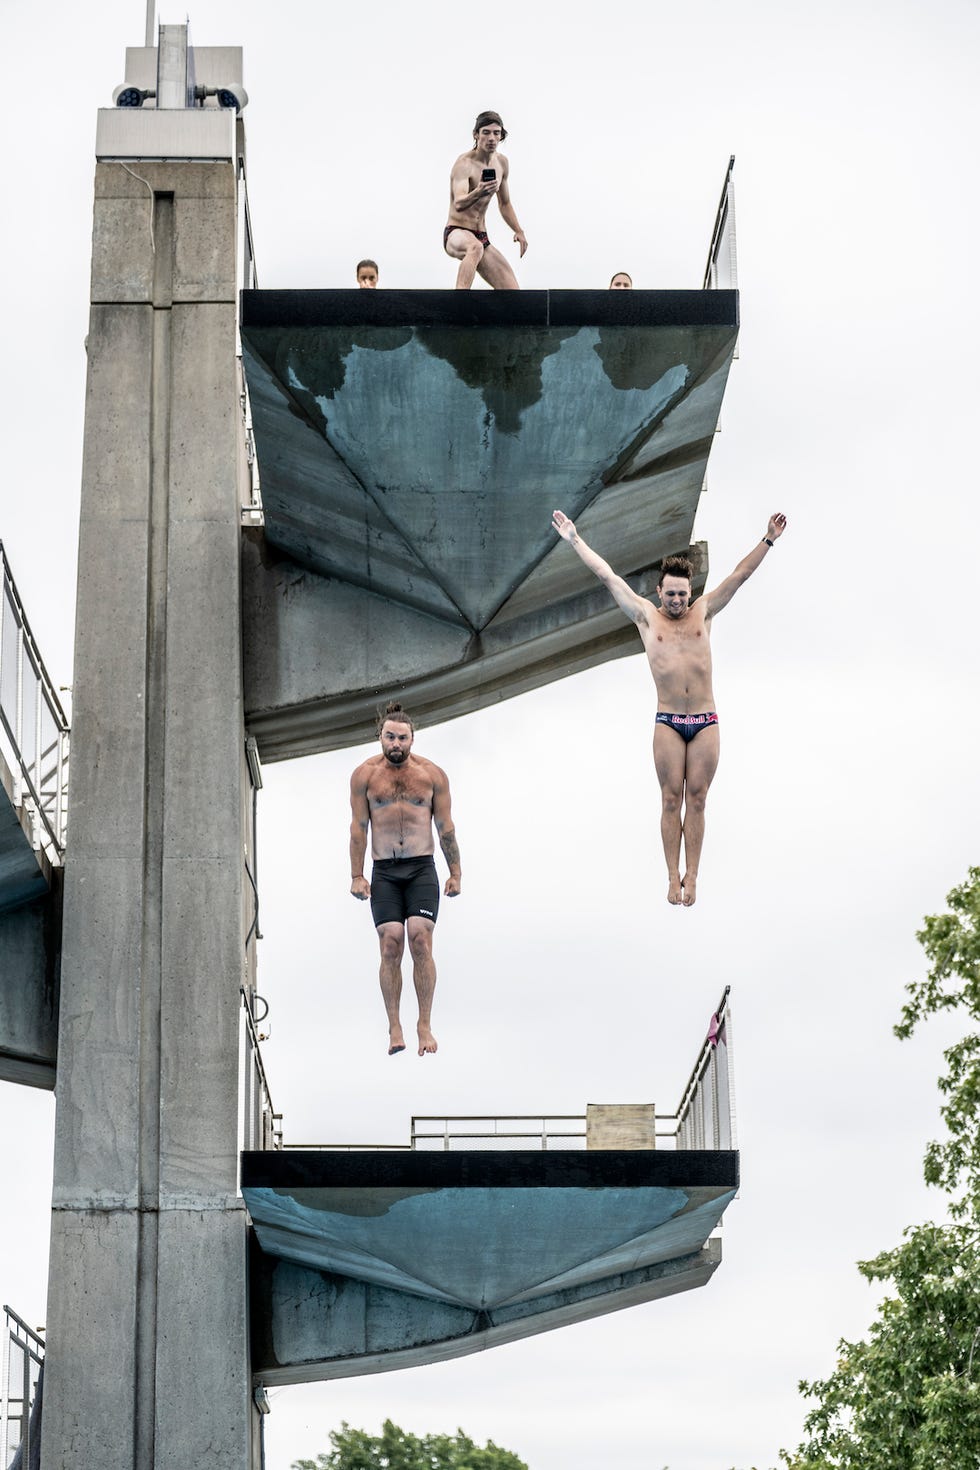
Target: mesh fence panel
[[9, 651]]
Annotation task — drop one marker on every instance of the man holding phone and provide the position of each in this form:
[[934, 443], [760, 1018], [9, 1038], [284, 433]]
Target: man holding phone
[[476, 177]]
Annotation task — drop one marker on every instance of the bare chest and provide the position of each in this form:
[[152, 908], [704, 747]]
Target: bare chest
[[680, 642], [477, 170], [396, 789]]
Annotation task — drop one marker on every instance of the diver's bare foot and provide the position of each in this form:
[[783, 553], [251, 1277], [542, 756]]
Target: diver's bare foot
[[675, 892], [427, 1041], [690, 887], [396, 1040]]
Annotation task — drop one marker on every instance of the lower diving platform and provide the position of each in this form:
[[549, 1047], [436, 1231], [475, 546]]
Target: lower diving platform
[[480, 1232]]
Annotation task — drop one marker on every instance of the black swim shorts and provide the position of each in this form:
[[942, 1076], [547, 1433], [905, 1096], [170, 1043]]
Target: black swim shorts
[[403, 887]]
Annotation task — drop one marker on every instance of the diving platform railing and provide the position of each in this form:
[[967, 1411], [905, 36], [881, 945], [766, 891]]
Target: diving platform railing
[[721, 270], [704, 1118], [20, 1371], [34, 736], [247, 281]]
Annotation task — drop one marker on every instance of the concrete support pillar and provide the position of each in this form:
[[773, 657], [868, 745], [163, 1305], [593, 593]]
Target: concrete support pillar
[[147, 1333]]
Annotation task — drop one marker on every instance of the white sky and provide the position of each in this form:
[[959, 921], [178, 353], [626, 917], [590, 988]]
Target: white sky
[[846, 804]]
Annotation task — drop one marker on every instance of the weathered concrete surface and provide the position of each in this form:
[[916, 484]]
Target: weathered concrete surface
[[309, 1325], [148, 1355], [324, 651], [485, 1229], [412, 449], [30, 972]]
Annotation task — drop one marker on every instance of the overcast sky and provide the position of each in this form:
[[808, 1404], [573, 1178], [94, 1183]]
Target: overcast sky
[[846, 803]]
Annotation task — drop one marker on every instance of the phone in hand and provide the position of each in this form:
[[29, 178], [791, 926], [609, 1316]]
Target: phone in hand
[[488, 175]]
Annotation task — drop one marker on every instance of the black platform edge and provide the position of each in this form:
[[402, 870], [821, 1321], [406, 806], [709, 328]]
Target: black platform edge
[[290, 309], [471, 1169]]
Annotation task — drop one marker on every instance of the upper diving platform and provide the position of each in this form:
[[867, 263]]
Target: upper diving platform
[[412, 446]]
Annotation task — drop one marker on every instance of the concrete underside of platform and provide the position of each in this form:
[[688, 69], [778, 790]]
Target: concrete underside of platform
[[30, 949], [364, 1262], [412, 448], [30, 973]]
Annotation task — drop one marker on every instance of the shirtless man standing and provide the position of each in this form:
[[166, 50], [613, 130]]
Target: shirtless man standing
[[475, 178], [399, 795], [685, 737]]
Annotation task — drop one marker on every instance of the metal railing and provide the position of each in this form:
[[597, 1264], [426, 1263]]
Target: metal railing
[[721, 271], [261, 1124], [506, 1131], [705, 1116], [23, 1355], [34, 735], [247, 281]]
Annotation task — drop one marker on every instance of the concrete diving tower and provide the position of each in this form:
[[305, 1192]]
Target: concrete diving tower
[[412, 446], [485, 1230]]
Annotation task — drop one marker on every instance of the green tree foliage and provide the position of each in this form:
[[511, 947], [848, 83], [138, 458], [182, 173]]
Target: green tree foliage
[[952, 943], [908, 1396], [396, 1449]]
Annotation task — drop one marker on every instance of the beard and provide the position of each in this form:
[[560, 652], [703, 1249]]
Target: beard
[[396, 757]]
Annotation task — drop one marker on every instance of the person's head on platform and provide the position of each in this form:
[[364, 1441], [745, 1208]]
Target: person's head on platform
[[489, 131], [367, 274], [674, 587], [396, 731], [621, 282]]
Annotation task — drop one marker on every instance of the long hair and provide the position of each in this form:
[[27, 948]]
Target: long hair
[[489, 117]]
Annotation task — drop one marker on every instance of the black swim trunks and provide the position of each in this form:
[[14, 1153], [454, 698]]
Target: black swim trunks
[[687, 725], [481, 235], [403, 887]]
